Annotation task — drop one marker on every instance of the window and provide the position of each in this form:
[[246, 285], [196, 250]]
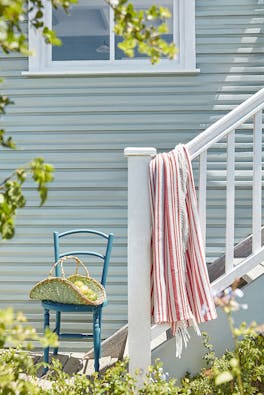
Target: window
[[89, 44]]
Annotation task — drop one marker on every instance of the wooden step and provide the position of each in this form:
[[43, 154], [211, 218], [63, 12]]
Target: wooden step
[[253, 274], [73, 363], [113, 345], [105, 363]]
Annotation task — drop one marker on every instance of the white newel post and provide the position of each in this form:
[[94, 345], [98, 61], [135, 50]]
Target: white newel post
[[139, 230]]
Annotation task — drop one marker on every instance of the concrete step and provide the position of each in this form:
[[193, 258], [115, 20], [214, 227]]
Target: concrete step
[[105, 363], [73, 363]]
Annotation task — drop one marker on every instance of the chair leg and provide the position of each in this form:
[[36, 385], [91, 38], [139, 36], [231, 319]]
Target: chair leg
[[46, 350], [57, 330], [100, 327], [97, 339]]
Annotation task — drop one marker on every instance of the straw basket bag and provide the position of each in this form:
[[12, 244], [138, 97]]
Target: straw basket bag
[[65, 290]]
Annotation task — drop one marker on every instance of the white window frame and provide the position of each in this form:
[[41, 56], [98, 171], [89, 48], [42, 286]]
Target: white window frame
[[184, 37]]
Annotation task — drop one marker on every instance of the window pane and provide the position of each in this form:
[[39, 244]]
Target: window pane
[[144, 5], [84, 32]]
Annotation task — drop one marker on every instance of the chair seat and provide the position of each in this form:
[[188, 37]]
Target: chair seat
[[68, 308]]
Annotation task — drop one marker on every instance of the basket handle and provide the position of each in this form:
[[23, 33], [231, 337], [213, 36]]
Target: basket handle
[[63, 259]]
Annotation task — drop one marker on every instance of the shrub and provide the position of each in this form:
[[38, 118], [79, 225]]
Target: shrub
[[237, 372]]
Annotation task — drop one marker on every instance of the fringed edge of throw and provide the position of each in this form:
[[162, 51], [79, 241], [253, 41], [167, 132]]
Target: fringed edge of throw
[[182, 335]]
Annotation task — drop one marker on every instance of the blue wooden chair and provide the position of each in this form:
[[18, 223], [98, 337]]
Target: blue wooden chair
[[59, 308]]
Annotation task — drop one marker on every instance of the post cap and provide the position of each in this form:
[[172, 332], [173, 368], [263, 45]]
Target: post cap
[[140, 151]]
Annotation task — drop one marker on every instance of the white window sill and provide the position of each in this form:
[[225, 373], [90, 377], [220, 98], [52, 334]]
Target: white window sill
[[138, 67], [67, 73]]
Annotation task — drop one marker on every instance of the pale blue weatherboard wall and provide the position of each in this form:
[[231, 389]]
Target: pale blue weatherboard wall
[[82, 125]]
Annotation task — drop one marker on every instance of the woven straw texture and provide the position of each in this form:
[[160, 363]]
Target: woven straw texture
[[62, 290]]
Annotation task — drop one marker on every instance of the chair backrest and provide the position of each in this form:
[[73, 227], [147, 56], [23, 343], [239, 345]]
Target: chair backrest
[[105, 257]]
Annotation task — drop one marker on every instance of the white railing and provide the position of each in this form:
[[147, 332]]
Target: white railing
[[140, 332], [225, 128]]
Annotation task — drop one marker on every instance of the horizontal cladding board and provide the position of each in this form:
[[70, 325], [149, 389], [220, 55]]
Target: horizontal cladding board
[[228, 31], [226, 40], [138, 129], [128, 121], [227, 3], [233, 9], [53, 86], [99, 164], [78, 102], [133, 112]]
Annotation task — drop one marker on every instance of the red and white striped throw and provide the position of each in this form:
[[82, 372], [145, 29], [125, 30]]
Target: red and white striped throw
[[181, 294]]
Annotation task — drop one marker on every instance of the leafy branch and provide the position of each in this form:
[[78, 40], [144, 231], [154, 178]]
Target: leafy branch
[[12, 15], [142, 30], [11, 194]]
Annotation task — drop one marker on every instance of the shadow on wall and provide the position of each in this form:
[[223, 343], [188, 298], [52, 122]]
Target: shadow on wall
[[219, 335]]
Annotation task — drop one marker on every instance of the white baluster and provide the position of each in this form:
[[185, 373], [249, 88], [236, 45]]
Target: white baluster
[[202, 194], [230, 202], [257, 182]]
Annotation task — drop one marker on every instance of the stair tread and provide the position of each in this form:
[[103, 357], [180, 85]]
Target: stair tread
[[254, 273], [105, 363]]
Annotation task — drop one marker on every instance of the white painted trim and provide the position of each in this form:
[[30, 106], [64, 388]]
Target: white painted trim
[[257, 182], [187, 33], [158, 340], [152, 70], [33, 40], [139, 235], [230, 202], [253, 274], [175, 25], [140, 151], [47, 49], [112, 34], [158, 330], [238, 271], [202, 194], [183, 35]]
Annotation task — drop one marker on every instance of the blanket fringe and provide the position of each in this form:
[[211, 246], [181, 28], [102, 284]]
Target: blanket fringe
[[182, 335]]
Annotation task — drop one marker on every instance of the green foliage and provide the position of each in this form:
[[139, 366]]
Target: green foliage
[[142, 29], [42, 173], [18, 371], [11, 36], [115, 381], [12, 197], [237, 372], [221, 377], [7, 143], [13, 13], [16, 333]]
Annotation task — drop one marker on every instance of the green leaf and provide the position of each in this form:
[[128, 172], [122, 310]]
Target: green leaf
[[223, 377], [146, 27], [42, 173]]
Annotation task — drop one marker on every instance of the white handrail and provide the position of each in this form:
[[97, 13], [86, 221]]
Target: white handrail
[[227, 123], [139, 319]]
